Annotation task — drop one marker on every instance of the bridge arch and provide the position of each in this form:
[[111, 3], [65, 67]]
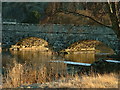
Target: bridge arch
[[105, 40], [90, 45], [31, 43], [59, 36]]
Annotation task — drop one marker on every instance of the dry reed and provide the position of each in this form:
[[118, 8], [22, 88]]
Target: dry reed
[[24, 75]]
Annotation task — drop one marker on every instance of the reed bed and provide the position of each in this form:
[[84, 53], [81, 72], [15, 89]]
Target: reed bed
[[28, 77]]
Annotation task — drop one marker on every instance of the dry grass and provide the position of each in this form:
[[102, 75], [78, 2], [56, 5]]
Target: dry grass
[[99, 81], [31, 78], [27, 74]]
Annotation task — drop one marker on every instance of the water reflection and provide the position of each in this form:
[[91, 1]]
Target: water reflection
[[37, 59], [83, 57]]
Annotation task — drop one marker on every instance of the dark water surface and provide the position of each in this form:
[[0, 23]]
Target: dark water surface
[[38, 59]]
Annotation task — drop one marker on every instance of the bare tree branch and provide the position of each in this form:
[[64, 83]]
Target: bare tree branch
[[113, 18], [78, 14]]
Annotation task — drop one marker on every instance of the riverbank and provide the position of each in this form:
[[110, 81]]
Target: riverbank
[[22, 76], [92, 81]]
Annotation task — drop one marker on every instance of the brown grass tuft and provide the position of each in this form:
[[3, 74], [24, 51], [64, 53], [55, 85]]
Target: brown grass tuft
[[24, 75]]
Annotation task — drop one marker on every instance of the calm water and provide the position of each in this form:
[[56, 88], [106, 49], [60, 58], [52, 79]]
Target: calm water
[[38, 59]]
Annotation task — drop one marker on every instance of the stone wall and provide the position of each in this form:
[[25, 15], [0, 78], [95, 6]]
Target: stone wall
[[58, 36]]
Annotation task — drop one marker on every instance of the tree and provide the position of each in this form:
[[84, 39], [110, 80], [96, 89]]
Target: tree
[[113, 11], [112, 8], [33, 17]]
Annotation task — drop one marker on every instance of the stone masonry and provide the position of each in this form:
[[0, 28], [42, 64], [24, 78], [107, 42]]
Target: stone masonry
[[58, 36]]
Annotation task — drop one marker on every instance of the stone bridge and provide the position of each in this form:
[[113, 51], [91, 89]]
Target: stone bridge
[[58, 36]]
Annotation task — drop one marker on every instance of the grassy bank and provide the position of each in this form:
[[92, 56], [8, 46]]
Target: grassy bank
[[26, 77], [99, 81]]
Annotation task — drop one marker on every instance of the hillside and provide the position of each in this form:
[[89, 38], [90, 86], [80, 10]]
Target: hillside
[[48, 13]]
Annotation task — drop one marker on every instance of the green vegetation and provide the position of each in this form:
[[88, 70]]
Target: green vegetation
[[33, 17]]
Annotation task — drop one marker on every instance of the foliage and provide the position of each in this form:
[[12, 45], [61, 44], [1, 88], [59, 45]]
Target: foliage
[[33, 17]]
